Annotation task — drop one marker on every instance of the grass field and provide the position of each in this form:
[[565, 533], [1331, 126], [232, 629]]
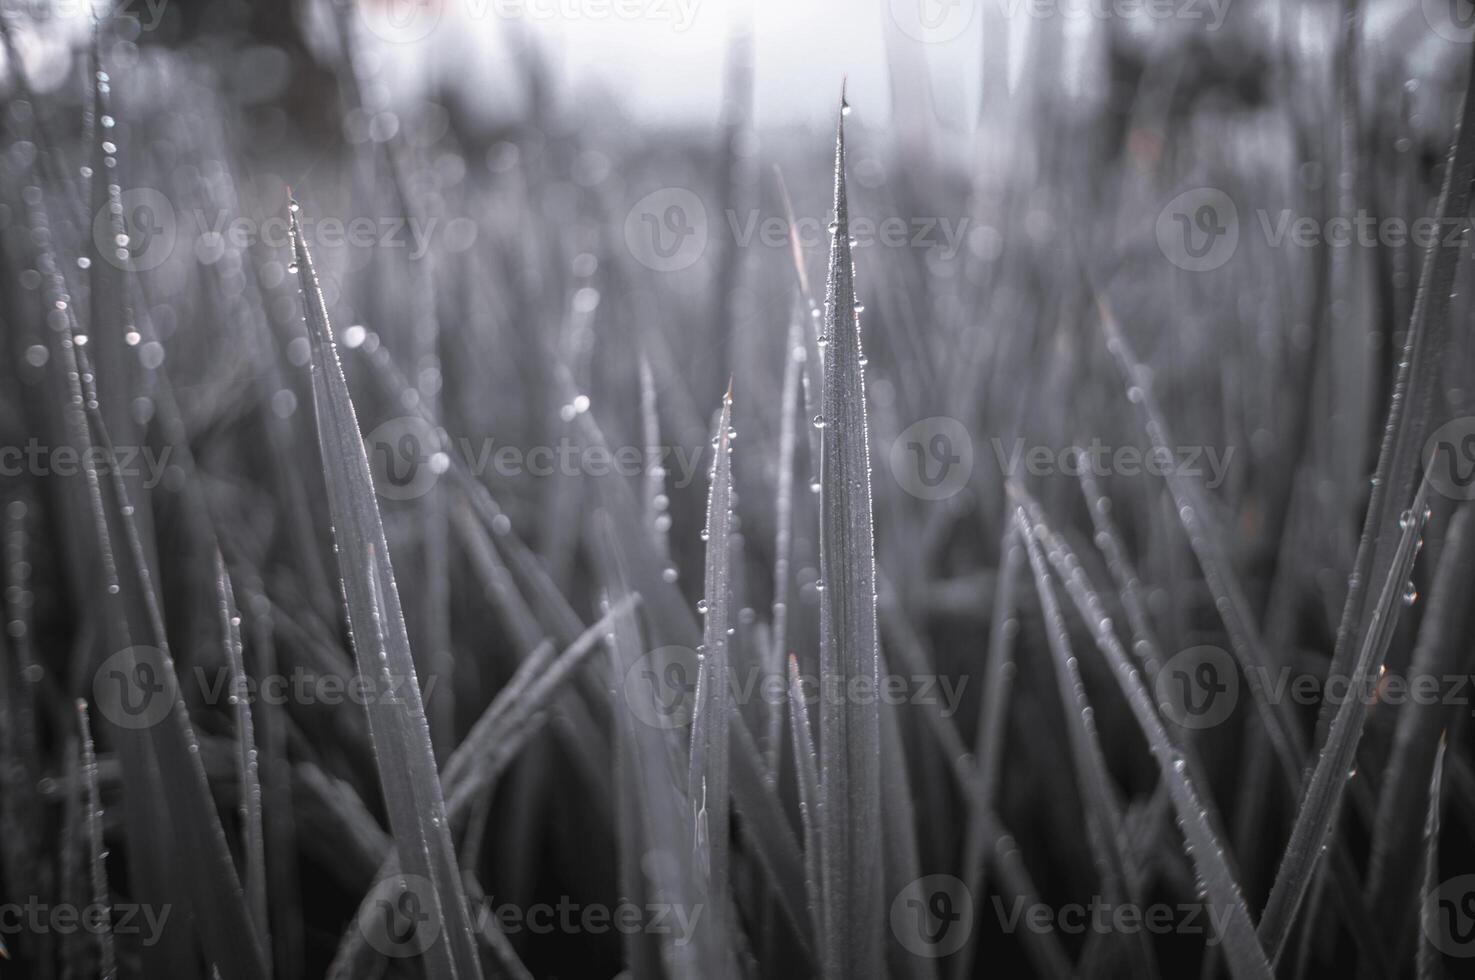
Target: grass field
[[454, 534]]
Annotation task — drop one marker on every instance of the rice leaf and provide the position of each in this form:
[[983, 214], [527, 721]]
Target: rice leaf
[[783, 541], [1442, 650], [1103, 811], [1430, 962], [711, 744], [656, 836], [850, 733], [1242, 949], [1410, 403], [993, 721], [107, 966], [247, 777], [806, 768], [397, 723], [496, 738], [1317, 817]]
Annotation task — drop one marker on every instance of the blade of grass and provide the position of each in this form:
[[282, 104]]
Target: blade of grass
[[1430, 962], [397, 722], [993, 722], [660, 842], [850, 733], [107, 966], [1320, 805], [1410, 404], [247, 777], [1242, 949], [1103, 811], [492, 744], [1442, 651], [711, 744], [783, 541], [806, 769]]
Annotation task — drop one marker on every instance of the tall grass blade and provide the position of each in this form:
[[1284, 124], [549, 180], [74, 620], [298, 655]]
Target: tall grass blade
[[1442, 650], [711, 745], [1317, 817], [107, 965], [806, 769], [850, 733], [1103, 810], [1242, 950], [1430, 962], [401, 737], [247, 776], [783, 541], [1412, 399]]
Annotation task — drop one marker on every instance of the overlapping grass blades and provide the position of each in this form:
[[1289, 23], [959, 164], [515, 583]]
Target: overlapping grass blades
[[1242, 949], [1316, 819]]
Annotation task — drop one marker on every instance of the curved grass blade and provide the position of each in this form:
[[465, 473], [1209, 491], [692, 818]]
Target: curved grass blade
[[397, 722], [850, 733], [1242, 949], [1103, 808], [494, 741]]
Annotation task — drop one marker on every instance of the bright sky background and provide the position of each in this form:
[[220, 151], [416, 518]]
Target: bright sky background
[[665, 58]]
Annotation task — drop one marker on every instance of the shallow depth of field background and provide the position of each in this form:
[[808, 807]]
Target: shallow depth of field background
[[596, 190]]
